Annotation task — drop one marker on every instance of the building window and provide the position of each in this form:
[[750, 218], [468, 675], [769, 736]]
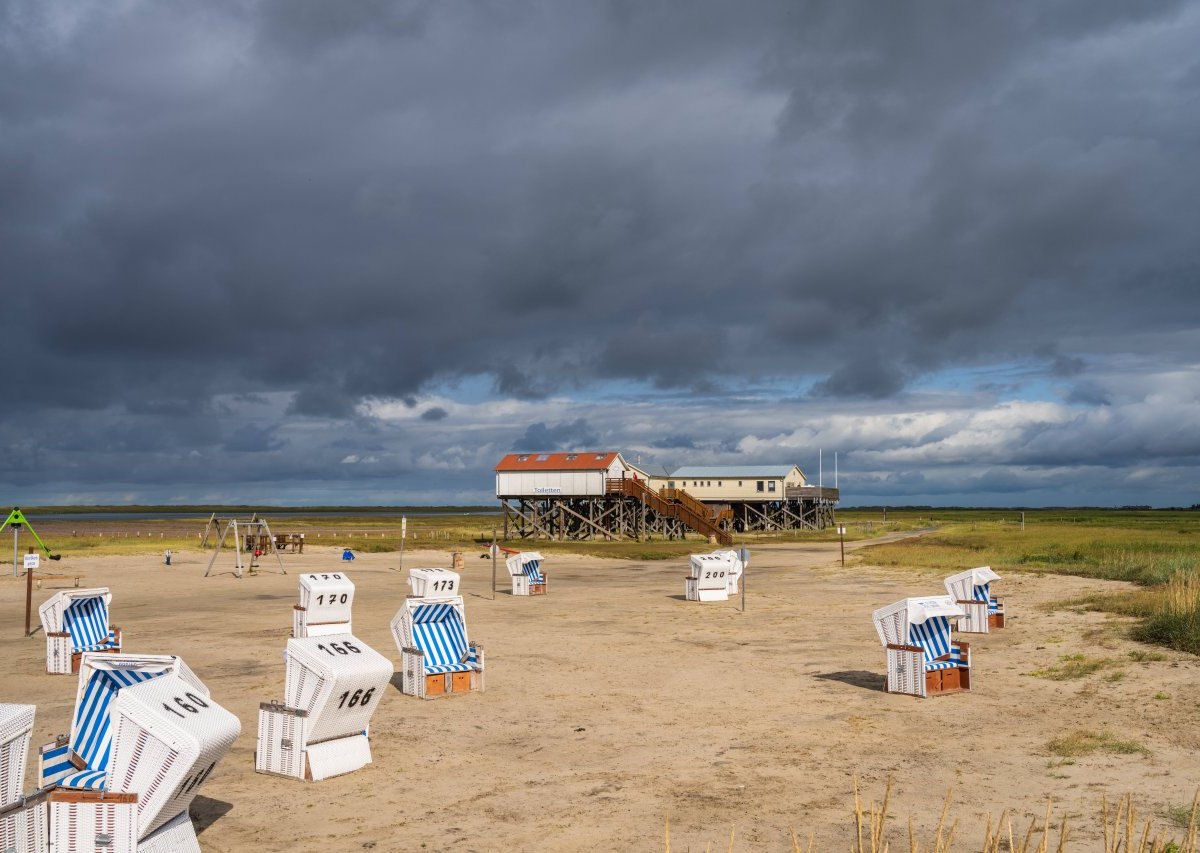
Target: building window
[[542, 457], [571, 457], [522, 458], [718, 484], [760, 486], [600, 455], [770, 485], [739, 483], [670, 484]]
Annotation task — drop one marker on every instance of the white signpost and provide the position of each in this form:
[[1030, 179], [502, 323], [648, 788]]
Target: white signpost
[[32, 561]]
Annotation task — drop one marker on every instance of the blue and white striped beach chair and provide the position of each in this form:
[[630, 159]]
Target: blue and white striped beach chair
[[144, 736], [528, 578], [972, 589], [436, 656], [76, 621], [923, 659]]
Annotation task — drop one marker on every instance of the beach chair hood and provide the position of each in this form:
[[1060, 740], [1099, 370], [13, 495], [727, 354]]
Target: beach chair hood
[[519, 564], [892, 623]]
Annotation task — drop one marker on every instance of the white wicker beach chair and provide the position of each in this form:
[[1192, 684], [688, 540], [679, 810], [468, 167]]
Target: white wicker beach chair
[[434, 583], [333, 684], [972, 590], [22, 820], [145, 737], [712, 576], [528, 577], [326, 599], [436, 657], [922, 658], [736, 566], [76, 621]]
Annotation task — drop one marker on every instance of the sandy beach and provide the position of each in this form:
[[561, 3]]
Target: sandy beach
[[613, 704]]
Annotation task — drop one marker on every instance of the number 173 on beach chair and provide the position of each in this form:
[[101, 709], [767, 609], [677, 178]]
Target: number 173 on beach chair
[[922, 659]]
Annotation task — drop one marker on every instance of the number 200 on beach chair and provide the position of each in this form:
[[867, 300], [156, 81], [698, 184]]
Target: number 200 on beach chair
[[145, 736], [922, 659], [76, 621], [972, 590]]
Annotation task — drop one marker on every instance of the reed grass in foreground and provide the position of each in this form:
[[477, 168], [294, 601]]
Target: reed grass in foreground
[[1123, 831]]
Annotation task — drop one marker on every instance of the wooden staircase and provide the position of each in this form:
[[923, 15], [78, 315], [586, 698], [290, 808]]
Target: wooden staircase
[[673, 503]]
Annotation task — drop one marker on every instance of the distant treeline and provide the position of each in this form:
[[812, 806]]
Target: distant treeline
[[247, 509]]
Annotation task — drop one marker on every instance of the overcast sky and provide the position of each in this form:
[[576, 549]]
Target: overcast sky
[[300, 251]]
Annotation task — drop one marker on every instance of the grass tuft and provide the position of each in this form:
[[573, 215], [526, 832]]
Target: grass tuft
[[1082, 742]]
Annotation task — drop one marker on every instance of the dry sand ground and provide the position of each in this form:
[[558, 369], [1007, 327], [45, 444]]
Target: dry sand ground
[[612, 703]]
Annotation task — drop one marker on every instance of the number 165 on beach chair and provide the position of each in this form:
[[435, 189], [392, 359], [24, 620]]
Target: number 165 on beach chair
[[922, 659], [76, 621]]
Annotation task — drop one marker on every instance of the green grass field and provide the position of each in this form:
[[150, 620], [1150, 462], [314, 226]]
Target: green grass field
[[1157, 550]]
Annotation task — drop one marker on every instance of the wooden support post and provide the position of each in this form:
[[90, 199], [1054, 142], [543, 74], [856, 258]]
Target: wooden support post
[[28, 598]]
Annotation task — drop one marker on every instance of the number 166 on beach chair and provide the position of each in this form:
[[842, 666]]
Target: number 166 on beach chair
[[76, 621], [922, 659]]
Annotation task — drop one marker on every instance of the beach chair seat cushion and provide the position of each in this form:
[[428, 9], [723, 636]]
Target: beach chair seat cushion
[[941, 664], [440, 668], [109, 642], [86, 780]]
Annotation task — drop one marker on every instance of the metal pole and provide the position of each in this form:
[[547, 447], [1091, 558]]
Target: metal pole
[[403, 536], [16, 533], [842, 541], [28, 597], [495, 549]]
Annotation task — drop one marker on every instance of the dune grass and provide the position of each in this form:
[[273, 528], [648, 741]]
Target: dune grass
[[1159, 552]]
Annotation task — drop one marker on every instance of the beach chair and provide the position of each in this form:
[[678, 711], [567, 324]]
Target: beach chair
[[23, 820], [972, 590], [922, 658], [528, 578], [436, 658], [326, 599], [76, 621], [145, 736], [434, 583], [332, 686], [736, 566], [709, 577]]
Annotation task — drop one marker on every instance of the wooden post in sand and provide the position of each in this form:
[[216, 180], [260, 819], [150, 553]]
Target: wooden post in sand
[[495, 550], [28, 596]]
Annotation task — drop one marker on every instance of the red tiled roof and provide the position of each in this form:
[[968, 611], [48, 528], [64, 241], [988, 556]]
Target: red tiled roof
[[574, 461]]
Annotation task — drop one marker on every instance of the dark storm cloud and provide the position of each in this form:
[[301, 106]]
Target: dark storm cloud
[[340, 203], [565, 436], [434, 413]]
